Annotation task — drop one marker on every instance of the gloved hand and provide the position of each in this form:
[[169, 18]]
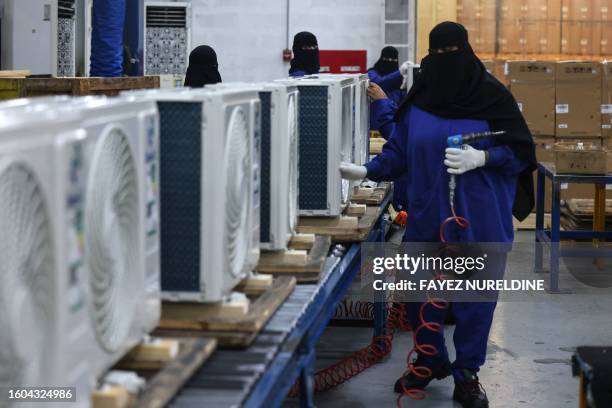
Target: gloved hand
[[350, 171], [405, 67], [375, 92], [462, 160]]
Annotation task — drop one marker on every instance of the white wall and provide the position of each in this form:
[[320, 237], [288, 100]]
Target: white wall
[[250, 35]]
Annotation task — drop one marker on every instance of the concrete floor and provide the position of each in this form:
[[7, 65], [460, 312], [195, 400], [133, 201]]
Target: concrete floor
[[528, 363]]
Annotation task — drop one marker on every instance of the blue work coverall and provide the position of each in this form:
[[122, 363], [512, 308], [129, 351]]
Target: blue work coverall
[[484, 196]]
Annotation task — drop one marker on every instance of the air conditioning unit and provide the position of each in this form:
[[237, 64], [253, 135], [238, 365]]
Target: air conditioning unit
[[42, 303], [326, 138], [167, 41], [210, 203], [40, 36], [361, 110], [119, 290], [279, 161]]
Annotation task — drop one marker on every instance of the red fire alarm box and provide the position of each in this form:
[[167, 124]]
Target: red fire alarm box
[[343, 61]]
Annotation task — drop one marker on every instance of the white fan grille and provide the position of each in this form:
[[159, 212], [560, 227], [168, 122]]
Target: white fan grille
[[111, 236], [293, 163], [27, 296], [237, 193], [347, 135]]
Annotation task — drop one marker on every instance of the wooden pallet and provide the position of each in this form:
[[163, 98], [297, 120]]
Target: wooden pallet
[[306, 266], [166, 364], [348, 228], [28, 87], [529, 223], [231, 329], [370, 196]]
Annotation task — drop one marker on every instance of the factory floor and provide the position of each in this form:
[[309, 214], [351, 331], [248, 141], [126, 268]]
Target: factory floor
[[528, 361]]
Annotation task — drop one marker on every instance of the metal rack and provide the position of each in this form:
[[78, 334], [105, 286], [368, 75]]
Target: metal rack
[[554, 235]]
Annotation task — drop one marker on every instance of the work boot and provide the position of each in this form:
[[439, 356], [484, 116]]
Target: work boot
[[469, 392], [411, 381]]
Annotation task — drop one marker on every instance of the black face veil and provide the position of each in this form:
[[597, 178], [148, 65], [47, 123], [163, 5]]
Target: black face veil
[[305, 54], [388, 61], [203, 67], [454, 84]]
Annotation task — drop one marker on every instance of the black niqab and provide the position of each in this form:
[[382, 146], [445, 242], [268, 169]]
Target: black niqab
[[203, 67], [456, 85], [388, 61], [304, 59]]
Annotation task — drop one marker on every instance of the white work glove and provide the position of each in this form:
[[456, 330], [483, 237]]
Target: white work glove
[[351, 171], [462, 160], [405, 67]]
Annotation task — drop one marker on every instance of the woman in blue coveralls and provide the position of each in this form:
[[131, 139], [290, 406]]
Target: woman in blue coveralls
[[388, 73], [305, 55], [454, 94]]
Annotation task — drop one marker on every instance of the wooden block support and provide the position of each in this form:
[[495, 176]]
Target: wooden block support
[[255, 285], [15, 74], [310, 224], [356, 210], [234, 308], [110, 397], [302, 241], [151, 354]]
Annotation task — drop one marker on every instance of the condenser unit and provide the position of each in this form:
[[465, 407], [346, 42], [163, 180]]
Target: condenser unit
[[46, 327], [210, 199], [361, 118], [40, 36], [119, 221], [325, 118], [167, 41], [279, 161]]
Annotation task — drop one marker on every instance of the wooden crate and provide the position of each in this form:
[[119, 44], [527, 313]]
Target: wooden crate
[[29, 87]]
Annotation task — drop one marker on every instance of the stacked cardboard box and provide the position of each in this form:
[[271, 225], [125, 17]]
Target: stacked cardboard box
[[578, 99], [565, 103], [538, 27], [479, 18]]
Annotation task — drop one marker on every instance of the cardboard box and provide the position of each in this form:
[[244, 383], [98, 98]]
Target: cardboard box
[[605, 40], [580, 158], [604, 10], [510, 37], [510, 11], [606, 101], [542, 37], [542, 10], [533, 85], [578, 10], [483, 40], [580, 38], [578, 99]]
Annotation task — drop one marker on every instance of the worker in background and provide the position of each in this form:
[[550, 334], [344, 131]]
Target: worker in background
[[384, 107], [305, 55], [203, 68], [388, 64], [454, 94]]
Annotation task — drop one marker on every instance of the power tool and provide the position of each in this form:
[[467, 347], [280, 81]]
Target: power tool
[[456, 142]]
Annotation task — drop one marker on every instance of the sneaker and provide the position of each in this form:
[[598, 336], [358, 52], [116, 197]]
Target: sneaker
[[412, 381], [469, 392]]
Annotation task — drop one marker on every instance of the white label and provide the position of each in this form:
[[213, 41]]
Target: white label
[[564, 186], [606, 126], [520, 105], [506, 69], [562, 108], [608, 186], [606, 108], [562, 125]]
